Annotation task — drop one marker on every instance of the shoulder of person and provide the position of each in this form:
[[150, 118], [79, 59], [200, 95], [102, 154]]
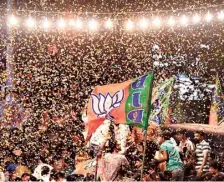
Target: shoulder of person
[[163, 145], [204, 142], [189, 141]]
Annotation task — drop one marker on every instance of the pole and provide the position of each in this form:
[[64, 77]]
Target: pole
[[143, 162], [179, 110], [146, 128], [9, 55], [95, 176]]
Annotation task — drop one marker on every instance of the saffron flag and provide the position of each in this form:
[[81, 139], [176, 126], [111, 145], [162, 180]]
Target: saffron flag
[[124, 103], [161, 101], [216, 116]]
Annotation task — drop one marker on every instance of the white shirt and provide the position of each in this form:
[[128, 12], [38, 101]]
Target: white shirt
[[38, 170], [190, 146], [2, 176], [100, 135], [110, 165], [121, 134]]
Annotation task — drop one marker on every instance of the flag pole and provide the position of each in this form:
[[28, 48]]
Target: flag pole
[[146, 128], [144, 152], [95, 175]]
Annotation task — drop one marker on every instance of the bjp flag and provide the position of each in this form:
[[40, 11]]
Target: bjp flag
[[124, 103]]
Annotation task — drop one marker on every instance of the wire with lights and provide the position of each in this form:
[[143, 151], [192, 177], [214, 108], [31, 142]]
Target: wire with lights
[[93, 25]]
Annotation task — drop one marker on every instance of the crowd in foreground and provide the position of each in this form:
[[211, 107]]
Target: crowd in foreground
[[170, 155]]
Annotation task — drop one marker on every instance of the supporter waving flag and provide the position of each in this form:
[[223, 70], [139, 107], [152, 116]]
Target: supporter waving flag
[[123, 103]]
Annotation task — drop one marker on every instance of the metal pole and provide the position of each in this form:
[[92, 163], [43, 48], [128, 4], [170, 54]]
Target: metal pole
[[143, 161], [9, 51], [96, 170]]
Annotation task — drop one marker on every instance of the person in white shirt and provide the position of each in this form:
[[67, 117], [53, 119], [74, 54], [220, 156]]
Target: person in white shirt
[[2, 176], [121, 134], [185, 146], [43, 172], [203, 151], [112, 166], [99, 137], [185, 143]]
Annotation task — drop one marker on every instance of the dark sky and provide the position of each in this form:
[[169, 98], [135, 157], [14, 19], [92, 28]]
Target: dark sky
[[107, 6]]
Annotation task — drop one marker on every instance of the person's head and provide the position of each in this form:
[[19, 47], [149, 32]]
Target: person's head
[[163, 136], [59, 165], [75, 177], [25, 177], [42, 159], [12, 176], [215, 167], [181, 134], [60, 176], [45, 170], [199, 136], [33, 178], [17, 179]]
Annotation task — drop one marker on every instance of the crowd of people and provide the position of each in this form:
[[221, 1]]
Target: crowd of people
[[170, 155], [55, 71]]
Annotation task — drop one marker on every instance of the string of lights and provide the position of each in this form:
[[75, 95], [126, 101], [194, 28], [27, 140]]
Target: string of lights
[[93, 24]]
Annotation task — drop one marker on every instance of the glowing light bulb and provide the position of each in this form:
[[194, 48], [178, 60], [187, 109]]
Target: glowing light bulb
[[144, 23], [156, 22], [12, 21], [30, 23], [221, 15], [171, 21], [46, 24], [109, 24], [71, 23], [93, 25], [78, 24], [61, 23], [184, 20], [196, 18], [208, 17], [129, 25]]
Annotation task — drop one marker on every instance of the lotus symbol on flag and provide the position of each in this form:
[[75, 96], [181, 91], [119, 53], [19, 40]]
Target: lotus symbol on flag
[[102, 105]]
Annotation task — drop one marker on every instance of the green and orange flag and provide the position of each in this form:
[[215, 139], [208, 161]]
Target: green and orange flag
[[124, 103], [217, 107]]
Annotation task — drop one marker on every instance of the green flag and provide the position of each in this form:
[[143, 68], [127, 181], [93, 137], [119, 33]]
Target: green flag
[[219, 101], [161, 101]]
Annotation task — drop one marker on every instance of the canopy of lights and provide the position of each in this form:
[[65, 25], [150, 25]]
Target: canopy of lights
[[94, 24]]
